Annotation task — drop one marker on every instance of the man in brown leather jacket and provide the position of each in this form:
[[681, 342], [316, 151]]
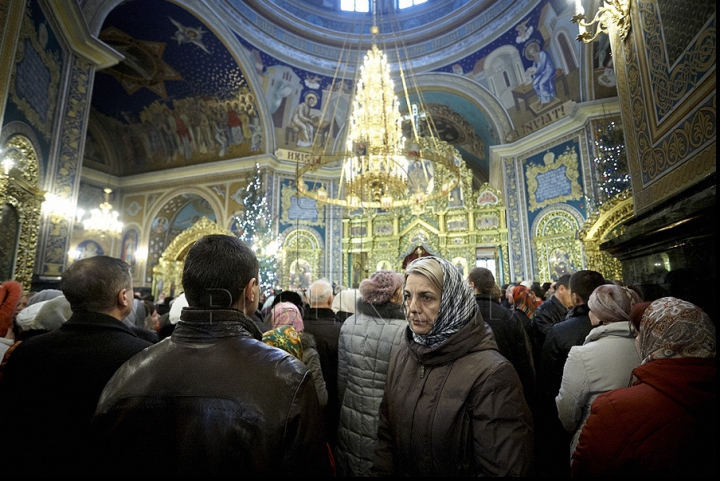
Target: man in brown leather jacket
[[213, 400]]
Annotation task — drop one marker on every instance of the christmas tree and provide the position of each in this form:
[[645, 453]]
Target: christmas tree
[[611, 162], [256, 228]]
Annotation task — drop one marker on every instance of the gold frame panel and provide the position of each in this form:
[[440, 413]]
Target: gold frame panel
[[570, 160], [169, 269], [555, 239], [19, 189], [601, 227], [300, 244]]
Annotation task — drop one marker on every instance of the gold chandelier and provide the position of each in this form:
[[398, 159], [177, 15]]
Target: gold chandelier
[[380, 167], [102, 220], [614, 13]]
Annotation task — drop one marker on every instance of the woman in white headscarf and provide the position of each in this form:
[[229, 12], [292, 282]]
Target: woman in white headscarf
[[604, 361], [453, 405]]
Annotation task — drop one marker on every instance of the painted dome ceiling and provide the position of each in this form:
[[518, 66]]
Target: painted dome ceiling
[[203, 82]]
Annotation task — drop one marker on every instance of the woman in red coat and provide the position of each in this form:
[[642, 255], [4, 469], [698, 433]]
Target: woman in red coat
[[665, 423]]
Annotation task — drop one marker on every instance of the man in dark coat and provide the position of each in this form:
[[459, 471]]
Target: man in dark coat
[[510, 335], [552, 456], [213, 399], [52, 382], [549, 313], [322, 322]]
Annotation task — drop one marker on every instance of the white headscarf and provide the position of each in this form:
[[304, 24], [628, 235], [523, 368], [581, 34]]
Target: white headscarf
[[176, 306]]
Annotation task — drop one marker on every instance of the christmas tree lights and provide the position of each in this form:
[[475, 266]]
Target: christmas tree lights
[[611, 168], [256, 228]]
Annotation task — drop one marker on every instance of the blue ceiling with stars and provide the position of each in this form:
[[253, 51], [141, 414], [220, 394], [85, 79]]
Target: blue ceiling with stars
[[170, 54]]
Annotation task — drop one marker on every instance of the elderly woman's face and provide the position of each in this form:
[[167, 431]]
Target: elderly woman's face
[[422, 303]]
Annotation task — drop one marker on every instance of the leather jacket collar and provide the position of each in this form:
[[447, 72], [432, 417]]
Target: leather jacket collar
[[207, 325]]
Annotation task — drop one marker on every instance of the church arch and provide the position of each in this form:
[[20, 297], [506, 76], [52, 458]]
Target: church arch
[[557, 250], [167, 274]]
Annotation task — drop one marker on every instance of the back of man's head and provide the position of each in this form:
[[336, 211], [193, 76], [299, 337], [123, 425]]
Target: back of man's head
[[93, 284], [483, 281], [564, 281], [583, 283], [321, 293], [217, 269]]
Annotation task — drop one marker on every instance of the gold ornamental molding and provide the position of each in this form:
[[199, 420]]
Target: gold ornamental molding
[[600, 227], [19, 190], [178, 248]]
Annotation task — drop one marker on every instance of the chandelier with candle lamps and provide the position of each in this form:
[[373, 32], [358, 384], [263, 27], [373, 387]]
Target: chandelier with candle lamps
[[379, 166], [102, 220]]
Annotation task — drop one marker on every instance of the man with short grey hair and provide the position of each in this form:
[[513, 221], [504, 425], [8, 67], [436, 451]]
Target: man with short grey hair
[[52, 382], [322, 322]]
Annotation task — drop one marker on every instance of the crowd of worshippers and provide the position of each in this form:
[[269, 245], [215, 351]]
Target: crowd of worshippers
[[422, 373]]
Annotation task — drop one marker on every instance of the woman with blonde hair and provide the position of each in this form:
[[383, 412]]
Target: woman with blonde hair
[[453, 405]]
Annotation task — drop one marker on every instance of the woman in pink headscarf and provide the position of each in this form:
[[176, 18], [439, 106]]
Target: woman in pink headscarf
[[665, 424], [604, 361], [289, 334]]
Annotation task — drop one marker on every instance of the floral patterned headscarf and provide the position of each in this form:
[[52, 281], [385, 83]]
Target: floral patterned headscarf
[[524, 300], [673, 328], [285, 338]]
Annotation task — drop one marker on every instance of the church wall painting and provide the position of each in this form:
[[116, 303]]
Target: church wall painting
[[129, 247], [34, 87], [88, 248], [532, 70], [178, 98]]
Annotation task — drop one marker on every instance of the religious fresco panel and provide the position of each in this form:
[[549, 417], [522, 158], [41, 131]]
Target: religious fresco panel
[[179, 98]]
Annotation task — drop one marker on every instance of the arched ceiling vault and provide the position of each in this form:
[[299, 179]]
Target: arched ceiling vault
[[193, 70]]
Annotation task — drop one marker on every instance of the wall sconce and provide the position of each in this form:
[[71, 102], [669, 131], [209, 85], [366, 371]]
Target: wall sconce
[[615, 12], [58, 208]]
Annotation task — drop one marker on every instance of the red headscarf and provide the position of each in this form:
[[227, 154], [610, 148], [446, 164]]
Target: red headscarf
[[524, 300]]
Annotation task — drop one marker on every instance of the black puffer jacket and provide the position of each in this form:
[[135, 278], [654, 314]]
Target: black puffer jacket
[[453, 410], [212, 400]]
